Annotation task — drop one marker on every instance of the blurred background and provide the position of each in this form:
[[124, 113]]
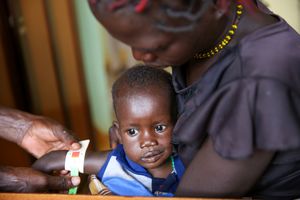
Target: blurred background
[[56, 60]]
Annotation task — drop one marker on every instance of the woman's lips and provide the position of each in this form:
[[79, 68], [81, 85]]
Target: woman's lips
[[152, 156]]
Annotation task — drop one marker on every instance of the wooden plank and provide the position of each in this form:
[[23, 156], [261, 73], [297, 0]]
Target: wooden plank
[[18, 196], [6, 91], [7, 95], [69, 67], [39, 60]]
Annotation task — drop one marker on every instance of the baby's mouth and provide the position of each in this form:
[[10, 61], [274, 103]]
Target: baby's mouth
[[152, 156]]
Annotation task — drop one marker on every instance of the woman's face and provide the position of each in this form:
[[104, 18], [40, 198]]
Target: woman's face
[[155, 47], [161, 48], [148, 43]]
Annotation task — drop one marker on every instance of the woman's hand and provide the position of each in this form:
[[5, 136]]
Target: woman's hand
[[20, 179], [45, 135], [36, 134]]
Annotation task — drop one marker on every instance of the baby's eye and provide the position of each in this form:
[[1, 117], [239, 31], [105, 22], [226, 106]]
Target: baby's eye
[[160, 128], [132, 132]]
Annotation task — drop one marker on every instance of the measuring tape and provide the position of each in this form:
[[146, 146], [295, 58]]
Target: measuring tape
[[74, 162]]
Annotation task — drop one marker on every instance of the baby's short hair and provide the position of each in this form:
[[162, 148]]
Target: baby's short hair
[[141, 78]]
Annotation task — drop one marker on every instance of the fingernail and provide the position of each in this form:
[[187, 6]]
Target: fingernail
[[75, 146], [75, 180], [64, 172]]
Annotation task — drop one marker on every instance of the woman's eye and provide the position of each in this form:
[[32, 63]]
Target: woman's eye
[[132, 132], [160, 128]]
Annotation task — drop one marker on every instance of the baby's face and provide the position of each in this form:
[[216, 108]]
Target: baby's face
[[145, 127]]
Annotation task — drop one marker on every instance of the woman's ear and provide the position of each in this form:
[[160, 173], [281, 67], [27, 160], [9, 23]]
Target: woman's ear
[[223, 7]]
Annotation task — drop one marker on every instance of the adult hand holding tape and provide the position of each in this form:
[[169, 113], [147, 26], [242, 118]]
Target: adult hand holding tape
[[72, 160]]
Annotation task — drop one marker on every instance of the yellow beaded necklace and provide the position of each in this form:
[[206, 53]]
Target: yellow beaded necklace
[[227, 38]]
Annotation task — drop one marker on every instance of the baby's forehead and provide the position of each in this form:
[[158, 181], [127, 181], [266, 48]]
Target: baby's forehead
[[143, 101], [151, 91]]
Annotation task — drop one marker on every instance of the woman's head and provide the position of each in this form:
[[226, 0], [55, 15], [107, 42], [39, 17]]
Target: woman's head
[[163, 32], [144, 103]]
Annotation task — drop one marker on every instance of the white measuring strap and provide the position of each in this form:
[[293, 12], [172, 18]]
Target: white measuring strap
[[75, 158]]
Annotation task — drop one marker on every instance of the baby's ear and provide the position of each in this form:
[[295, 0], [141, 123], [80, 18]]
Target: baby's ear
[[117, 131]]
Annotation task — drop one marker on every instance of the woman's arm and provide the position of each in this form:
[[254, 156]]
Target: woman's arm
[[14, 124], [210, 175], [22, 179], [55, 161], [36, 134]]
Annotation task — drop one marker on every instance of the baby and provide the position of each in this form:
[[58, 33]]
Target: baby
[[144, 164]]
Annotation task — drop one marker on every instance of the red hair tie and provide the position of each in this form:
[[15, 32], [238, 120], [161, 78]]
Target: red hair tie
[[140, 7]]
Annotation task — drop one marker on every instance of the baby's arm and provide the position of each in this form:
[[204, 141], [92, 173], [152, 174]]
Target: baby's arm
[[55, 161]]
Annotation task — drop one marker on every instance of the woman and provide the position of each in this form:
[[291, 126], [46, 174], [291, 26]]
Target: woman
[[236, 73]]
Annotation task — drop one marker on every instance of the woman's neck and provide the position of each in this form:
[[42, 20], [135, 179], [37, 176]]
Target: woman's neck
[[252, 19], [196, 67]]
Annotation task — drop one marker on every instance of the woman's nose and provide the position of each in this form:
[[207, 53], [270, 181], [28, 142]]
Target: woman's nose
[[143, 56]]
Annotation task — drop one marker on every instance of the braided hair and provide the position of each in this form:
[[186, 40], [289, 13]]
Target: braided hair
[[188, 11]]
